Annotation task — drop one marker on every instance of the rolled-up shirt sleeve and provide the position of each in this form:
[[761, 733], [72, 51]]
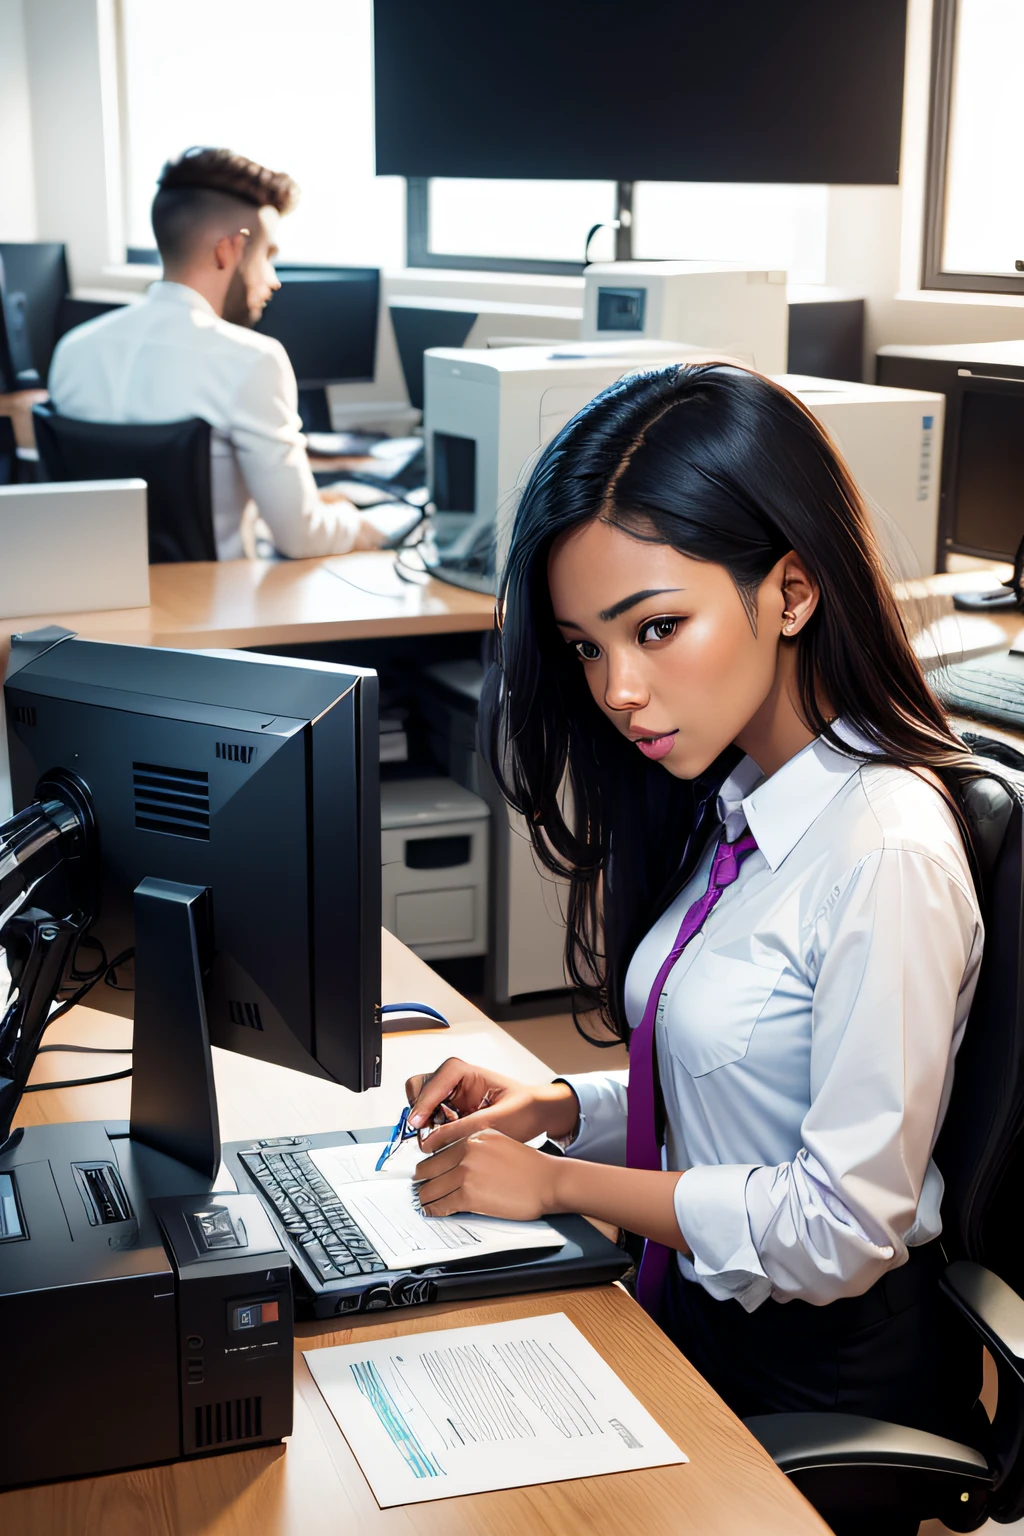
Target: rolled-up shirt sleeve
[[895, 950], [601, 1135], [266, 434]]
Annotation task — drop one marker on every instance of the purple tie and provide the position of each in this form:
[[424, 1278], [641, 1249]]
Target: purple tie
[[642, 1149]]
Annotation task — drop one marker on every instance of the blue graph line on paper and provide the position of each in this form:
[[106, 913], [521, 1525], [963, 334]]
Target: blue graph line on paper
[[370, 1383]]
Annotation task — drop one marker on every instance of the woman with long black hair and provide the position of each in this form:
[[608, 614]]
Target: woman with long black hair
[[707, 709]]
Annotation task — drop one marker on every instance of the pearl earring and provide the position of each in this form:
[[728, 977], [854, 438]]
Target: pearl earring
[[790, 619]]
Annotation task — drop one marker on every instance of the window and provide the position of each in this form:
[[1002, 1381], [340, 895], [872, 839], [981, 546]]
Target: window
[[290, 88], [974, 216], [542, 226], [772, 227]]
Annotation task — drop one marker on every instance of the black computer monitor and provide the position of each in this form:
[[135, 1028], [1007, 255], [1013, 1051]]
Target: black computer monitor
[[986, 492], [326, 320], [419, 327], [34, 285], [805, 91], [252, 782]]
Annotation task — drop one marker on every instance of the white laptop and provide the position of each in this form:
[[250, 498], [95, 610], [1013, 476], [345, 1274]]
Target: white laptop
[[74, 547]]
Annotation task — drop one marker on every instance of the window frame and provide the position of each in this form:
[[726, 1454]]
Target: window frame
[[419, 254], [945, 14]]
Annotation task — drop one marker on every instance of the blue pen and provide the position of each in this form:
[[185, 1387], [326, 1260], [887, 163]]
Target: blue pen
[[402, 1132]]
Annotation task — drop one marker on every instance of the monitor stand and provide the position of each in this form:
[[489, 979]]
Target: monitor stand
[[174, 1100]]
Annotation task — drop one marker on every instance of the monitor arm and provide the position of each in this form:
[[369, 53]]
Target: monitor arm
[[42, 916]]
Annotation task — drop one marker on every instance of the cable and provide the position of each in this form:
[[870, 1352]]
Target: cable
[[86, 987], [77, 1082], [91, 1050], [415, 1008]]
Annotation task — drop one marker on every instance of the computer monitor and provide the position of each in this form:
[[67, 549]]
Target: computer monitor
[[591, 89], [326, 320], [17, 367], [986, 515], [251, 782], [34, 286], [416, 329]]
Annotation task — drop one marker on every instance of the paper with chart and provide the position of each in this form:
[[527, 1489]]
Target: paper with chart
[[386, 1207], [470, 1410]]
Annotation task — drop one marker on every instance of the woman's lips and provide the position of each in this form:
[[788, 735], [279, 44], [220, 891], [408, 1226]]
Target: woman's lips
[[657, 747]]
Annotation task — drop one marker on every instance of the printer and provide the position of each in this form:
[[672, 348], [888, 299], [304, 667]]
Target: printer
[[718, 305], [488, 412], [140, 1323]]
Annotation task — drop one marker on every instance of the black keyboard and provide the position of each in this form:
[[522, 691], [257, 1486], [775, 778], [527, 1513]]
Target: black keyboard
[[313, 1215], [991, 688]]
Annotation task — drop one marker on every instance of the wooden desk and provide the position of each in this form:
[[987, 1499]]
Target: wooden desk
[[313, 1485], [240, 603]]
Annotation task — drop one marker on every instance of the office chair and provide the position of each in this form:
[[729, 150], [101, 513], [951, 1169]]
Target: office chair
[[172, 457], [858, 1470], [8, 452]]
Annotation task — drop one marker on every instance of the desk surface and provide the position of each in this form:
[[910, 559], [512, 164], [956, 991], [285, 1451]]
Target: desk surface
[[313, 1485], [279, 602]]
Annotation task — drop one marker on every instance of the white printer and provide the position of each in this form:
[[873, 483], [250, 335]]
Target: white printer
[[717, 305], [488, 412]]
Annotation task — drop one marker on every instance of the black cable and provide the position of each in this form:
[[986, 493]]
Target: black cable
[[86, 987], [89, 1050], [77, 1082]]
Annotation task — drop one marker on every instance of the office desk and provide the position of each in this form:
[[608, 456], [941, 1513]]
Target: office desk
[[314, 1487], [243, 603], [240, 603]]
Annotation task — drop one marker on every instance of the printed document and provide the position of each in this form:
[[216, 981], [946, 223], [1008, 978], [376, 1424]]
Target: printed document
[[470, 1410], [386, 1206]]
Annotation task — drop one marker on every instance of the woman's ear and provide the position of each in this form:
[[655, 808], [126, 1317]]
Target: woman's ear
[[800, 593]]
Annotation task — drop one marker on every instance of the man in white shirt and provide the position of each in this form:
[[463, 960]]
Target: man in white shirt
[[187, 349]]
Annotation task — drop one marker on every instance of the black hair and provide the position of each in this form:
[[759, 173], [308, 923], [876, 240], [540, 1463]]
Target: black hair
[[725, 466]]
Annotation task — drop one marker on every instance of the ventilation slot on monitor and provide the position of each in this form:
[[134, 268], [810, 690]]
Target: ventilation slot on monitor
[[175, 800], [23, 714], [246, 1014], [240, 1418], [235, 752]]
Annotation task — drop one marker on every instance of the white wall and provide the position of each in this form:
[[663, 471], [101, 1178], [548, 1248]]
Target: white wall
[[72, 69], [17, 187]]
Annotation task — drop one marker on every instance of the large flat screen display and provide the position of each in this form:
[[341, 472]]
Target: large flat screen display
[[653, 90]]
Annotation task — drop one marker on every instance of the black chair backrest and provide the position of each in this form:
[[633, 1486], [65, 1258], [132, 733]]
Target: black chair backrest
[[8, 452], [979, 1151], [172, 457]]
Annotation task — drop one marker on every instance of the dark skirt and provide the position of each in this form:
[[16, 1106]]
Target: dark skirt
[[900, 1352]]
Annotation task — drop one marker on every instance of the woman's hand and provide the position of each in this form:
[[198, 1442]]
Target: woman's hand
[[491, 1175], [476, 1099]]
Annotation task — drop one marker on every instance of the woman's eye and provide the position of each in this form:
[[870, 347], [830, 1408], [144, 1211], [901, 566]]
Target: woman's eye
[[586, 650], [657, 629]]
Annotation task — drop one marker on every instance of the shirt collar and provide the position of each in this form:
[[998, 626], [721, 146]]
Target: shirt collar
[[780, 810], [180, 293]]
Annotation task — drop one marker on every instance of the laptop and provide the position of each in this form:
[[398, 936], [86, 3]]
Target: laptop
[[342, 1242], [79, 546]]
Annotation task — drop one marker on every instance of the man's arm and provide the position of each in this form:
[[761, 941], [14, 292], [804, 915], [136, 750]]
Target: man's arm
[[267, 437]]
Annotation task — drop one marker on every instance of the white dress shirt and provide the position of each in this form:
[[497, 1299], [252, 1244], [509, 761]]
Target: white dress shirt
[[806, 1035], [170, 357]]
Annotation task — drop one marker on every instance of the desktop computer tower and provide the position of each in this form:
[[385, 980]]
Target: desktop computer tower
[[891, 440], [138, 1326]]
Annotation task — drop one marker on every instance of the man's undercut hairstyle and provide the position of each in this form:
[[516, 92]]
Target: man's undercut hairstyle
[[206, 186]]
